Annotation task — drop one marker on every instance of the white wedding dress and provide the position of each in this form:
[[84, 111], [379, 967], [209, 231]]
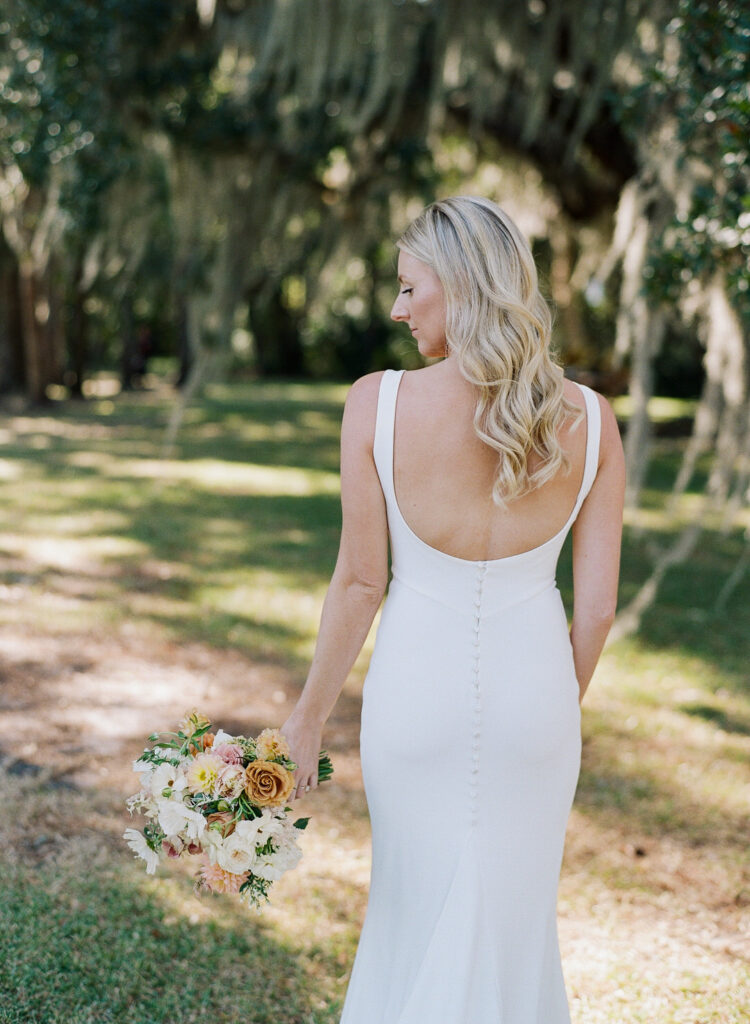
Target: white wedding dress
[[470, 746]]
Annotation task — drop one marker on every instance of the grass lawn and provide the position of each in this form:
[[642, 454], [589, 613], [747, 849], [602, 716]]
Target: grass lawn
[[133, 587]]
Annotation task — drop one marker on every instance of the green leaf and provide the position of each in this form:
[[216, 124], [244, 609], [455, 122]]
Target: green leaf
[[301, 822]]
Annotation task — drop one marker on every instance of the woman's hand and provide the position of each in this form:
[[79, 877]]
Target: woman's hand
[[305, 740]]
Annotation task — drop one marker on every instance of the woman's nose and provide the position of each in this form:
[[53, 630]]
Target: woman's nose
[[399, 310]]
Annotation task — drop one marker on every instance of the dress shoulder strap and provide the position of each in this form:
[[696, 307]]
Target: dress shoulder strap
[[382, 448], [593, 436]]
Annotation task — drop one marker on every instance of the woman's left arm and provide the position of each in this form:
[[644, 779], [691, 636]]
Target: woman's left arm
[[357, 586]]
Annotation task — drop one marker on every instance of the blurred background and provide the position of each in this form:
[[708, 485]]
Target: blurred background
[[199, 202]]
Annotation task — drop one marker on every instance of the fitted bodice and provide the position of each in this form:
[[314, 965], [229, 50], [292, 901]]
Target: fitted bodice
[[452, 580]]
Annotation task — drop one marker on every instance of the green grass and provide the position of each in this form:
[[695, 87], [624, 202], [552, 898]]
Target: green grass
[[203, 545], [88, 937], [225, 549]]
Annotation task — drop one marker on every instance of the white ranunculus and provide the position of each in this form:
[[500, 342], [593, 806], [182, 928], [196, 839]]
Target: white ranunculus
[[137, 843], [176, 818]]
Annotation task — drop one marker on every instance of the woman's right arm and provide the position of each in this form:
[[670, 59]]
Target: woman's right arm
[[357, 587], [597, 536]]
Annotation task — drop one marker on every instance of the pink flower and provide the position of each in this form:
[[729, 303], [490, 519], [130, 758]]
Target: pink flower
[[173, 847], [216, 879], [232, 781], [229, 752]]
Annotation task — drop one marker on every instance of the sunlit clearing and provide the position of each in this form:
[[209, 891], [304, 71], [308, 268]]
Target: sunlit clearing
[[67, 553], [215, 475]]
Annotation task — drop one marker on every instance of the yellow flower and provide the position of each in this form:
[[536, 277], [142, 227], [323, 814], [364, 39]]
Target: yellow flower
[[268, 783], [203, 774], [271, 744]]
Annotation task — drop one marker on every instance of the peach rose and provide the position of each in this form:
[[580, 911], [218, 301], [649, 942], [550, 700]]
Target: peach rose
[[225, 819], [268, 783]]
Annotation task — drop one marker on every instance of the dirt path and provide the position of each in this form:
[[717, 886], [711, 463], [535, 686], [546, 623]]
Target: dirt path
[[83, 705]]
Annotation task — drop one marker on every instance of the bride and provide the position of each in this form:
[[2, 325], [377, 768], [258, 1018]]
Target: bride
[[472, 471]]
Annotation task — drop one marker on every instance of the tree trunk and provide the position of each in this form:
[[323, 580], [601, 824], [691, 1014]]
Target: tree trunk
[[277, 339], [37, 370], [184, 349], [78, 345], [11, 347], [128, 350]]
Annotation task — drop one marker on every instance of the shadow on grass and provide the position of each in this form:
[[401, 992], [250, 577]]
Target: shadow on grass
[[719, 718], [633, 781], [86, 936], [215, 546], [214, 534], [98, 947]]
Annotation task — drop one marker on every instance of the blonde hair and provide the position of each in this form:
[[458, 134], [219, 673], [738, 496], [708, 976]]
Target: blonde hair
[[498, 327]]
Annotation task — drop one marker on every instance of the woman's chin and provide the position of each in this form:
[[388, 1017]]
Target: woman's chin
[[430, 351]]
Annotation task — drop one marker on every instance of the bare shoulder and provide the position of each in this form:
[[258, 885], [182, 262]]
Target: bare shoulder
[[365, 389], [610, 443], [573, 393], [360, 409]]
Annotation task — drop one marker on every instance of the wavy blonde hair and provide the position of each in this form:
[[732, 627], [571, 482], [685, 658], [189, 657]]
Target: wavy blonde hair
[[498, 327]]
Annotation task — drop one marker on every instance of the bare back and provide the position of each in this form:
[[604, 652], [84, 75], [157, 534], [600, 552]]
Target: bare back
[[443, 472]]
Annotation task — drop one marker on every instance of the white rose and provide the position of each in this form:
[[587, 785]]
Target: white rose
[[272, 866], [235, 854]]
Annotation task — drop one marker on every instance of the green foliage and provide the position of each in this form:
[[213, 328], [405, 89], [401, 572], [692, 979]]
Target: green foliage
[[334, 149], [702, 83], [70, 70]]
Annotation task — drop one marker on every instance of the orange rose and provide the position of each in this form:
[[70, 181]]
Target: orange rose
[[268, 783]]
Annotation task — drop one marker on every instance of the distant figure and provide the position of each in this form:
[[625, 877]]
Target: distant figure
[[474, 469]]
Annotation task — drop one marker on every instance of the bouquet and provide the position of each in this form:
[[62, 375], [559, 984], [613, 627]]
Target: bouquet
[[222, 797]]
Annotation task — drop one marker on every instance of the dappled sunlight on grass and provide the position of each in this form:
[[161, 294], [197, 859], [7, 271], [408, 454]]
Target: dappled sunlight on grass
[[660, 408], [133, 588], [201, 544], [79, 553], [648, 762], [212, 474]]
